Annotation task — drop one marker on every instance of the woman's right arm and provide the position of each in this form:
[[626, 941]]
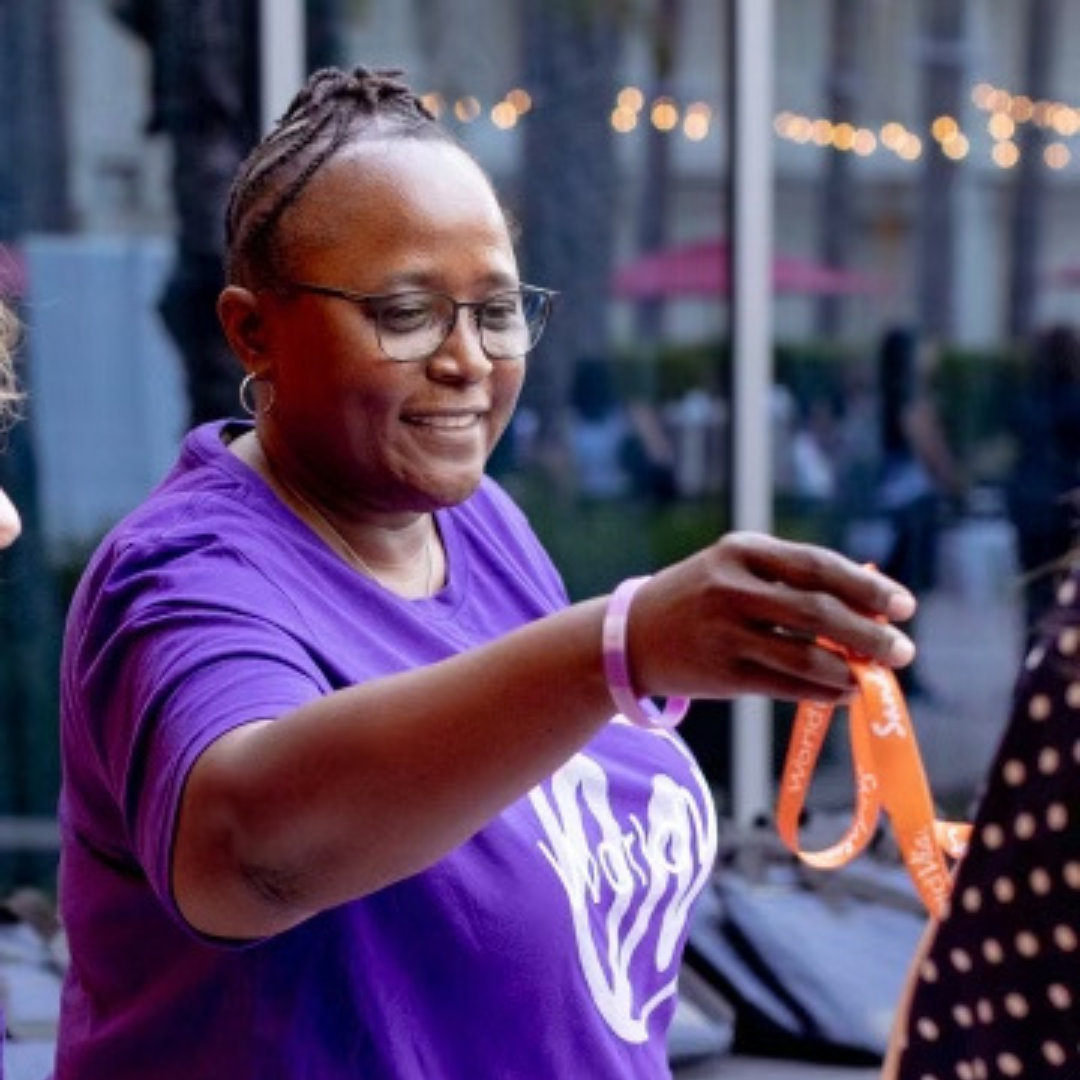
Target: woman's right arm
[[375, 782]]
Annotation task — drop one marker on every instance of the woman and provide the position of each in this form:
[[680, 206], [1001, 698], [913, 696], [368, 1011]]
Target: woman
[[10, 525], [343, 795], [993, 990]]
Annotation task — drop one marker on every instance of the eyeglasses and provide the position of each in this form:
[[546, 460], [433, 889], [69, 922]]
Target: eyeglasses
[[412, 326]]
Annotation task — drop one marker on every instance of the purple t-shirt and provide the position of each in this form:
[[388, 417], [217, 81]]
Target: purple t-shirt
[[548, 945]]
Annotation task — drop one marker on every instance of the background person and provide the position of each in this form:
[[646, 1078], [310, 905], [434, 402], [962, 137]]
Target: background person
[[993, 992], [599, 431], [1046, 471], [918, 470], [343, 793]]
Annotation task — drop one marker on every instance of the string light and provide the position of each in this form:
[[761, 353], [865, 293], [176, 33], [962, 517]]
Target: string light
[[821, 132], [1001, 126], [520, 99], [1005, 114], [624, 120], [1066, 121], [433, 103], [1022, 109], [865, 142], [1057, 155], [1005, 154], [467, 109], [955, 146], [665, 114], [893, 135], [944, 128], [910, 148], [1008, 111], [504, 116], [843, 136], [697, 121]]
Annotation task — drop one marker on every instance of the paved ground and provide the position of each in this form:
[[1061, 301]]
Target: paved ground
[[746, 1068], [33, 1061], [28, 1061]]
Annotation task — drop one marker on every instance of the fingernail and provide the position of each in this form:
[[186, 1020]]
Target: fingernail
[[901, 651], [901, 605]]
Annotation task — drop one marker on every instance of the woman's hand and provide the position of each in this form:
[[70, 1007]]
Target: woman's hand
[[10, 526], [746, 615]]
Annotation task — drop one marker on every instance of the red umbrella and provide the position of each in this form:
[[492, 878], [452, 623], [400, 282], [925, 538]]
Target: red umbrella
[[703, 269]]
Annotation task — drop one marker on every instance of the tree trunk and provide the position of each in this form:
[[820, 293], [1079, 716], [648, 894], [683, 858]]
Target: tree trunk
[[325, 34], [205, 71], [655, 198], [842, 79], [942, 52], [1043, 19], [569, 195]]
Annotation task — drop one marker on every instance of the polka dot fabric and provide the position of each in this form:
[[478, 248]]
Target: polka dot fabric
[[998, 994]]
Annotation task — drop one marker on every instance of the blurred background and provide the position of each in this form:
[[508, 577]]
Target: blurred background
[[740, 203]]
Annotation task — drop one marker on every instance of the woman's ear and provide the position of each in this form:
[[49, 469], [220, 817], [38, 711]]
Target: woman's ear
[[241, 319]]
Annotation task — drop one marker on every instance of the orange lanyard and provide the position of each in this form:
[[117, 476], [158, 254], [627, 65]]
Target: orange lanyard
[[889, 774]]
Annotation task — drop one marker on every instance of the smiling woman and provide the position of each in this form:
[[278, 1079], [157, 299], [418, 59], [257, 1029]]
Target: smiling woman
[[334, 738]]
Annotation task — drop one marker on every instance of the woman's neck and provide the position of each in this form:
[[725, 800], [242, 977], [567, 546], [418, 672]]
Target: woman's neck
[[407, 557]]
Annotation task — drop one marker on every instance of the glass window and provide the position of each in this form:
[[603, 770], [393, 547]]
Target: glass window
[[921, 185]]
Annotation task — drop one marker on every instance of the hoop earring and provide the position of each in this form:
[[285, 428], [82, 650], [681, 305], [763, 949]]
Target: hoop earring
[[247, 396]]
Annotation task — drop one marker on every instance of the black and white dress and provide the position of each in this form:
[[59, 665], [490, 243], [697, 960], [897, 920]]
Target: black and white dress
[[998, 993]]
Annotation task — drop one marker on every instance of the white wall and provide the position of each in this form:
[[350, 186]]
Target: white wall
[[109, 404]]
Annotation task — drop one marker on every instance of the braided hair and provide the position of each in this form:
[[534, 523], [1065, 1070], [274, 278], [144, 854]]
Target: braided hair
[[333, 109]]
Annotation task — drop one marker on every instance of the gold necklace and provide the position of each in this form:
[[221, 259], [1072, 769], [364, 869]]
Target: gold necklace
[[354, 556]]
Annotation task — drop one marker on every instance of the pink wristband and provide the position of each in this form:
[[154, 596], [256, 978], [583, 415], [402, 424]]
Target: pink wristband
[[642, 712]]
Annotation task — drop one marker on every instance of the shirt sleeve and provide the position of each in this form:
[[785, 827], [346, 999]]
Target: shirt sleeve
[[181, 642]]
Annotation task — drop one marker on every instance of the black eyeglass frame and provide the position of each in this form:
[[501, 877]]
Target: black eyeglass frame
[[370, 301]]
